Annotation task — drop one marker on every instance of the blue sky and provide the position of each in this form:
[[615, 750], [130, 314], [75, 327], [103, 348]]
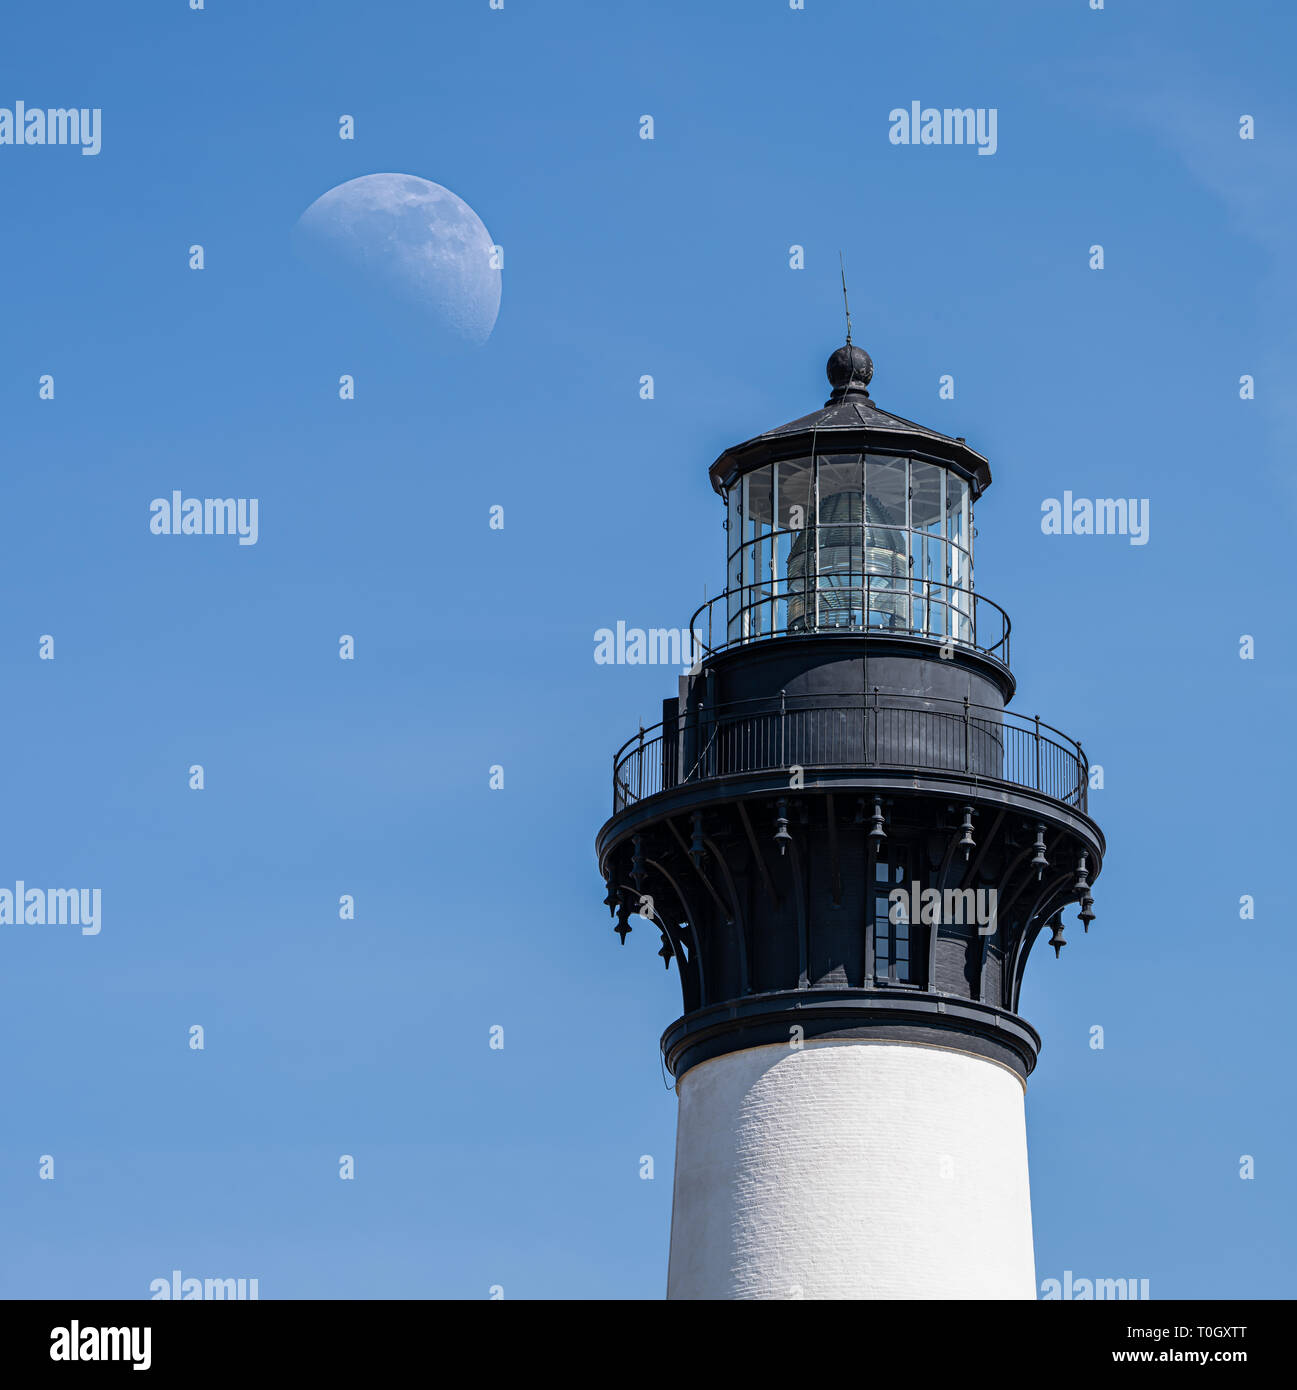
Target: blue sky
[[476, 908]]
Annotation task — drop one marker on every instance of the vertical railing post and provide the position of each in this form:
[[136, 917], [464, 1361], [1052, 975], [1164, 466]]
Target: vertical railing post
[[783, 730], [968, 739], [683, 749], [1039, 787]]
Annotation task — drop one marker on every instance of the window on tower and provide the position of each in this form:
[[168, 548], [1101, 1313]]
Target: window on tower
[[895, 957]]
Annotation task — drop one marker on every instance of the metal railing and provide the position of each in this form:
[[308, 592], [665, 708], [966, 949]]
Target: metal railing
[[906, 733], [853, 603]]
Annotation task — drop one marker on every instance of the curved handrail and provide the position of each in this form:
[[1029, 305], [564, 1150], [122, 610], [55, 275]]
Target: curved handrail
[[917, 733], [936, 610]]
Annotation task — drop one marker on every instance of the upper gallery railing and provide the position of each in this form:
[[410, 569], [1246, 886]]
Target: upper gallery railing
[[906, 733], [854, 603]]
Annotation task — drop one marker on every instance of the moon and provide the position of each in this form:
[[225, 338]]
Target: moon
[[415, 243]]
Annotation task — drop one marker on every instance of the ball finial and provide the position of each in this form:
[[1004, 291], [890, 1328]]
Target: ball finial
[[850, 367]]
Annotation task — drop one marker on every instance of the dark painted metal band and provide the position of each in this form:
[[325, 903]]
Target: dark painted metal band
[[844, 1015], [894, 781]]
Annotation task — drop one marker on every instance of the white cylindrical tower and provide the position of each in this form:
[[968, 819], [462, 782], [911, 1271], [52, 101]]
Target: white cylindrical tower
[[851, 1170]]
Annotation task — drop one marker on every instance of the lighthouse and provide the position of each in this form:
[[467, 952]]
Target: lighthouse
[[848, 844]]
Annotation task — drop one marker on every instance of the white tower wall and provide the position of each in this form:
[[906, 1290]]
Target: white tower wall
[[851, 1170]]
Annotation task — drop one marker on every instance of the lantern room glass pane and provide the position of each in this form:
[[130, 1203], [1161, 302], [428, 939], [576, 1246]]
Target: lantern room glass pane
[[887, 542], [839, 541], [928, 547], [756, 486], [800, 566], [794, 518], [796, 491], [927, 496], [959, 566], [957, 511], [758, 550], [734, 564]]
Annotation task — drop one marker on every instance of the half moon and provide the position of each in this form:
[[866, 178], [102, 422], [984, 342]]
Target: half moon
[[414, 242]]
